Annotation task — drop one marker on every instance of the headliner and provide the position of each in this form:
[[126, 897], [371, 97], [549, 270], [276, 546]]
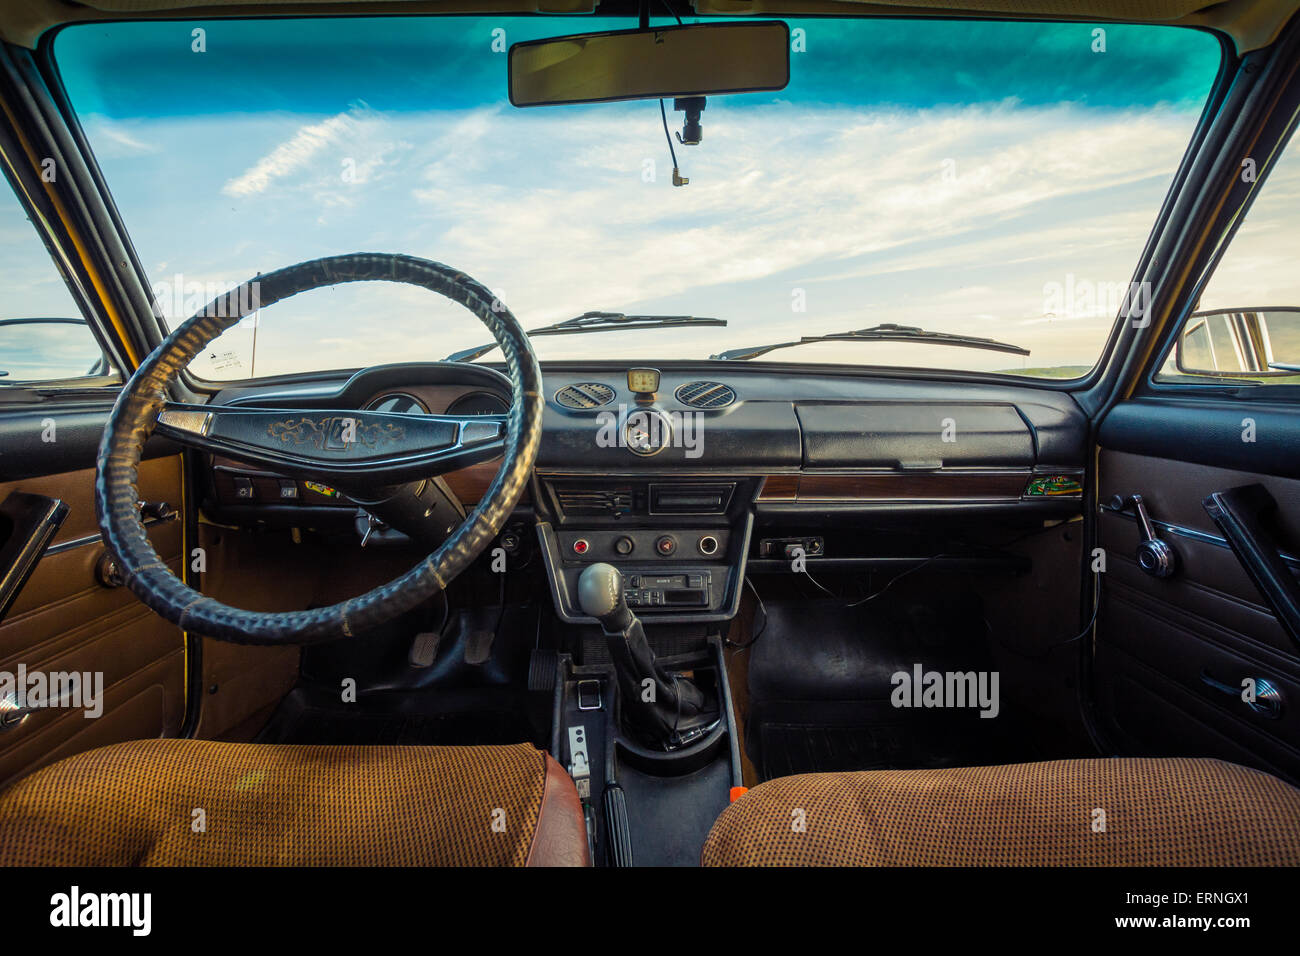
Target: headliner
[[1249, 23]]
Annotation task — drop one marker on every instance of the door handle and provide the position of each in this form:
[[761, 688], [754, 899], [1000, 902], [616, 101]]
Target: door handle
[[11, 714], [1268, 699]]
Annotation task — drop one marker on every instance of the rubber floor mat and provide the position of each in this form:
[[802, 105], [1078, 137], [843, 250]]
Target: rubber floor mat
[[792, 748]]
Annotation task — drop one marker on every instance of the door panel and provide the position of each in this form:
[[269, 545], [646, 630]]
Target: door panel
[[64, 619], [1171, 653]]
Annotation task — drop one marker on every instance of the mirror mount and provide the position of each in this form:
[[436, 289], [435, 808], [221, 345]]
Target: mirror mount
[[692, 130]]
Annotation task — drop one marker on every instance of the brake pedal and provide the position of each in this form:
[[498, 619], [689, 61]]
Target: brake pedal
[[424, 649], [478, 646]]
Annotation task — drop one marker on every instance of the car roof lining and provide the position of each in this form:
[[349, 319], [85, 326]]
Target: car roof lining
[[1250, 24]]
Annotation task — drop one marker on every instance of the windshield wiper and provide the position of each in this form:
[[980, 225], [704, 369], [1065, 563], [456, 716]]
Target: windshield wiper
[[888, 332], [594, 322]]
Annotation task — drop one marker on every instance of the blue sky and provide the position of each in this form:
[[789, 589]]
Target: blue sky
[[949, 196]]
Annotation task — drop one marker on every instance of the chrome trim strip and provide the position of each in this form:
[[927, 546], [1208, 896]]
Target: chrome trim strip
[[1191, 533]]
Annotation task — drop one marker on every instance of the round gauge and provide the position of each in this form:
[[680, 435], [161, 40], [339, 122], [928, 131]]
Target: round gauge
[[399, 403], [478, 403], [647, 432]]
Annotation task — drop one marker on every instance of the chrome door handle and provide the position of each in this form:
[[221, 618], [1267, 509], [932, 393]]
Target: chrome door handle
[[1268, 699], [11, 714]]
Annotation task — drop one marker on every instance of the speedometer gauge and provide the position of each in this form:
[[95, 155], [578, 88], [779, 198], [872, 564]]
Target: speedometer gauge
[[399, 403], [478, 403]]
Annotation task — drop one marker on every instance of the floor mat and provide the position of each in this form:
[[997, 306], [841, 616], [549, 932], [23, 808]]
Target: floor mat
[[822, 679], [791, 748]]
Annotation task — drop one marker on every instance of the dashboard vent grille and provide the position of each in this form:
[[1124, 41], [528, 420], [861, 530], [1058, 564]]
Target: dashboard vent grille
[[706, 395], [593, 501], [585, 395]]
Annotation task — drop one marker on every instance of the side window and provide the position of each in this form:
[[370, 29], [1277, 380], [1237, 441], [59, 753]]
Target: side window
[[43, 335], [1247, 324]]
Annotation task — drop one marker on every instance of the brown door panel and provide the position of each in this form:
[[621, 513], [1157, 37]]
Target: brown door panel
[[1209, 582], [1153, 716], [1162, 641], [64, 619], [1156, 637], [1175, 489]]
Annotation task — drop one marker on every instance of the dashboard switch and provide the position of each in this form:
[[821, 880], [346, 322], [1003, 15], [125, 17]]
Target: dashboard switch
[[244, 488], [624, 545], [666, 545], [288, 490], [581, 546]]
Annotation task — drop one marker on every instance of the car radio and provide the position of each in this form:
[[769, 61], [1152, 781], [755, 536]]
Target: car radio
[[691, 589]]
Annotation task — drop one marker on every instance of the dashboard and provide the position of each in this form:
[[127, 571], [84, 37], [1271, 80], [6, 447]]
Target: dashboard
[[685, 478]]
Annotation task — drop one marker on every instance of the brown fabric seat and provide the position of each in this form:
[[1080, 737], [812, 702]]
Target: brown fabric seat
[[193, 802], [1157, 812]]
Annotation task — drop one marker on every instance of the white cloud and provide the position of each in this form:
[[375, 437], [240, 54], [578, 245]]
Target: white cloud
[[291, 155], [551, 210]]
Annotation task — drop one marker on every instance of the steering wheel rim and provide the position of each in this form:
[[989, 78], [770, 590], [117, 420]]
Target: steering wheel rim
[[135, 416]]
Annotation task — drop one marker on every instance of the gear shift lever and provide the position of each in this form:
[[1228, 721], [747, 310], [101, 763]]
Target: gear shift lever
[[660, 707]]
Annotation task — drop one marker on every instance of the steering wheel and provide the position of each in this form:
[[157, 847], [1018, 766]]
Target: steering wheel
[[363, 452]]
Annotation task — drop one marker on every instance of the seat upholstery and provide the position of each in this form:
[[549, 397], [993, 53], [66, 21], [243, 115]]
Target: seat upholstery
[[192, 802], [1157, 812]]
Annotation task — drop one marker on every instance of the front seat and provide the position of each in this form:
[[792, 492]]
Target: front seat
[[1104, 812], [197, 802]]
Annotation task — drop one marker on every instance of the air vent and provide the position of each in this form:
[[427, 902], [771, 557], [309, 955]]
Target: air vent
[[584, 396], [706, 395], [594, 501]]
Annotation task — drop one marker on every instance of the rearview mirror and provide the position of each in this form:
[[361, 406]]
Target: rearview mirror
[[694, 60], [1241, 343]]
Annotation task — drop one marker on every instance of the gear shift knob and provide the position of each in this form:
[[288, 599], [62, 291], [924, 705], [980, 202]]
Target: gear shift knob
[[600, 594], [674, 705]]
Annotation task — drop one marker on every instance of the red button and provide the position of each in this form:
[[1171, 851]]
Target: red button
[[581, 546]]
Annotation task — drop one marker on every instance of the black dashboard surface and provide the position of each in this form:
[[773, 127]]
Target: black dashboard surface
[[777, 422]]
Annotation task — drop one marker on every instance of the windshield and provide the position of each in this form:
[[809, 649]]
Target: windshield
[[982, 179]]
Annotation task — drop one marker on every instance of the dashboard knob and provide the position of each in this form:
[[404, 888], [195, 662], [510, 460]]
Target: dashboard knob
[[624, 545]]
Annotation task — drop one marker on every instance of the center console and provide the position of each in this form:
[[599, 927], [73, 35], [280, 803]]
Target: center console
[[679, 544], [646, 728]]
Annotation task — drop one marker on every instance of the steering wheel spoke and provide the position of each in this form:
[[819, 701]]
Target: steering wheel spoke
[[350, 449]]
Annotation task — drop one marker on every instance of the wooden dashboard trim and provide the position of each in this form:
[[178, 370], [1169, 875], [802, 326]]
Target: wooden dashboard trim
[[896, 486], [470, 484]]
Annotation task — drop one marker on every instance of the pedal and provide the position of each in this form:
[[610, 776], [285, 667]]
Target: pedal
[[542, 666], [424, 649], [478, 646], [616, 822]]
